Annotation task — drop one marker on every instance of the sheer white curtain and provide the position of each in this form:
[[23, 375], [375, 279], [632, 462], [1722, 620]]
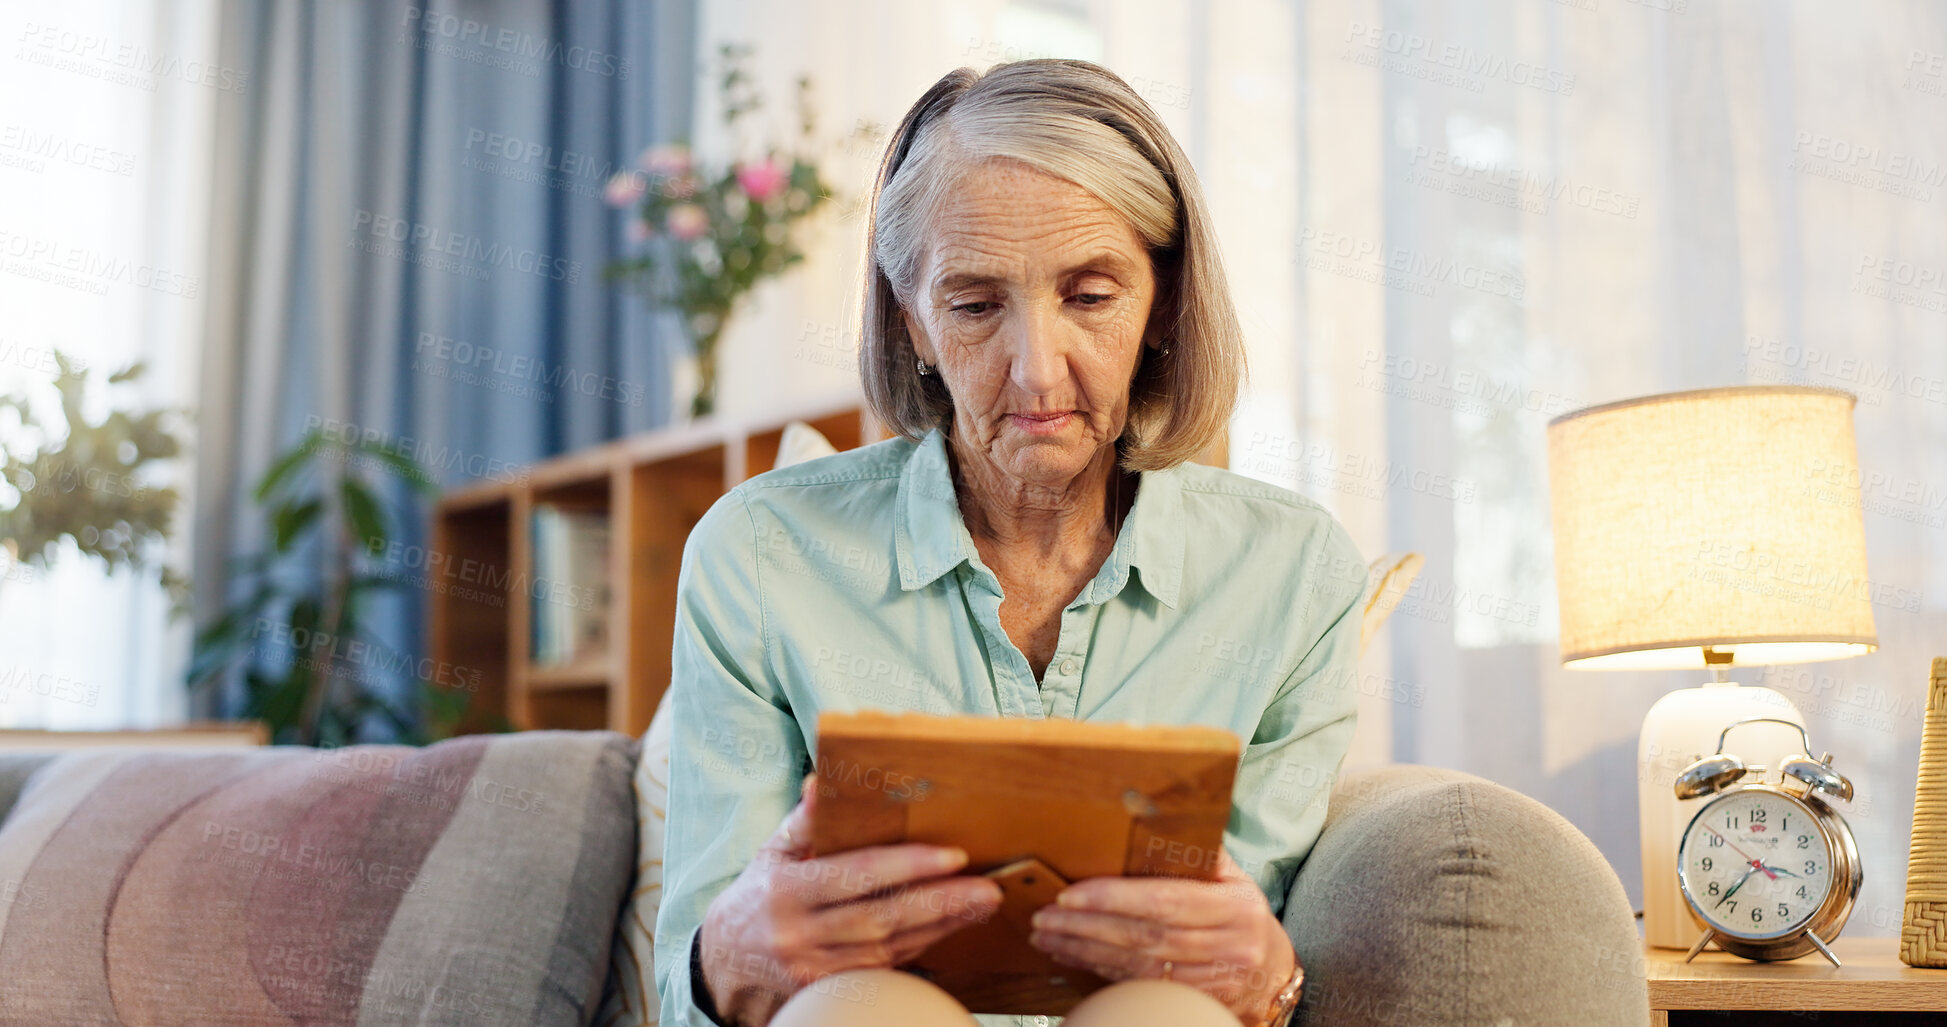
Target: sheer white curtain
[[1575, 203], [104, 140], [1444, 225]]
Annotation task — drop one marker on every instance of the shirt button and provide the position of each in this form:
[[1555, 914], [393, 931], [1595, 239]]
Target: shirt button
[[1067, 669], [1041, 1021]]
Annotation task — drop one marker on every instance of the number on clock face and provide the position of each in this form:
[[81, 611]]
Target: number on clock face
[[1755, 864]]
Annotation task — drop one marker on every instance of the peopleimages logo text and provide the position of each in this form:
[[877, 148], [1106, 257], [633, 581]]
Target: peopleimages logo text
[[428, 456], [516, 43], [427, 238], [1527, 182], [565, 162], [96, 54], [1459, 58], [41, 146], [28, 254]]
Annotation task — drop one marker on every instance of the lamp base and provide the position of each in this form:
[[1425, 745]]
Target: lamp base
[[1680, 729]]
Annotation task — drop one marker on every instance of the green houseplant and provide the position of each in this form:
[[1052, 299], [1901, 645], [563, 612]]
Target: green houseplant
[[708, 235], [299, 632], [67, 477]]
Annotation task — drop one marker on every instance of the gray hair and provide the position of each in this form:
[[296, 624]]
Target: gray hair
[[1080, 122]]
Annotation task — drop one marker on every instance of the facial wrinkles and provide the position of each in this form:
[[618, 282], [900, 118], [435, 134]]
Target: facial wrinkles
[[1054, 323], [1033, 252]]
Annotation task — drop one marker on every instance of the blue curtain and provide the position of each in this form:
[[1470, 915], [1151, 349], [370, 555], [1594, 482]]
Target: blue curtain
[[409, 240]]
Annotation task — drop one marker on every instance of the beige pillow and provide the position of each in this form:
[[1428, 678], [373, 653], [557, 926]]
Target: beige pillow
[[802, 442], [1390, 576], [631, 999]]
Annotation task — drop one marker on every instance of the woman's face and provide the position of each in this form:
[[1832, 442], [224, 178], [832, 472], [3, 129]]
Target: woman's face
[[1032, 301]]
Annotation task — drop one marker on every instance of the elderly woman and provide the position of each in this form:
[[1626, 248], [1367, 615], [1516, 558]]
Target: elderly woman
[[1048, 330]]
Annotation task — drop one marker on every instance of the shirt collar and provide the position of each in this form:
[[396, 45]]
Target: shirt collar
[[931, 538]]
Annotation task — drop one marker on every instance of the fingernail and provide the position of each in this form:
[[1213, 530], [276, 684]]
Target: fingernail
[[952, 859], [1069, 900], [1042, 919]]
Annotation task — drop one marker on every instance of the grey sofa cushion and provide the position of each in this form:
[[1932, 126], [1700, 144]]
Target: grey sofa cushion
[[1437, 898]]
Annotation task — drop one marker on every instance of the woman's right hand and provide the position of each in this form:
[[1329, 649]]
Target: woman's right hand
[[789, 920]]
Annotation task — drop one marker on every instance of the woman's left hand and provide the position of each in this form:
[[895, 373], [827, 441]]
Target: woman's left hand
[[1216, 936]]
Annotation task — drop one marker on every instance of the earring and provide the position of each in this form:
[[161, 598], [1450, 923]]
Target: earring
[[923, 369], [1164, 351]]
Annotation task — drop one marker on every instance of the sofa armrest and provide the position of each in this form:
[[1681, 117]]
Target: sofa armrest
[[1435, 897]]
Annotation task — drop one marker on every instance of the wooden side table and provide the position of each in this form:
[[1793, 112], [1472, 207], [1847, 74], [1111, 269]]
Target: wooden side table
[[1722, 990]]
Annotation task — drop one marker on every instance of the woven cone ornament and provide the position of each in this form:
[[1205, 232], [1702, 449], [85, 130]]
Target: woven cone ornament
[[1923, 940]]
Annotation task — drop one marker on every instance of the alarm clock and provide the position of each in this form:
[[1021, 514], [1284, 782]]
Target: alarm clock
[[1769, 870]]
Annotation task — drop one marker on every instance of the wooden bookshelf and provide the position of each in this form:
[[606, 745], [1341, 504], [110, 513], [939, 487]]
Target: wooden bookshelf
[[654, 488]]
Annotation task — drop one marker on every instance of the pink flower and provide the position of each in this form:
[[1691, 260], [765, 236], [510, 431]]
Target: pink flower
[[762, 180], [624, 188], [665, 160], [688, 222]]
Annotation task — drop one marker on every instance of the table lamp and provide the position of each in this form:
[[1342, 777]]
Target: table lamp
[[1701, 530]]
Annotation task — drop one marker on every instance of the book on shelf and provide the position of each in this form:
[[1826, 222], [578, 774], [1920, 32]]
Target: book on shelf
[[572, 593]]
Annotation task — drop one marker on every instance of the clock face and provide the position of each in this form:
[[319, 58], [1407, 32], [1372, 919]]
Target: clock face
[[1755, 864]]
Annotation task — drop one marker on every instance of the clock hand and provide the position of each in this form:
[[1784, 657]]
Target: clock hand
[[1747, 856], [1735, 887]]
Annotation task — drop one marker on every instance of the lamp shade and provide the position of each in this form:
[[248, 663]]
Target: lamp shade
[[1727, 518]]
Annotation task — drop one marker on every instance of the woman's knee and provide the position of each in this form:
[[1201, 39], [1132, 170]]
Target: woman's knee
[[1150, 1003], [872, 998], [893, 998]]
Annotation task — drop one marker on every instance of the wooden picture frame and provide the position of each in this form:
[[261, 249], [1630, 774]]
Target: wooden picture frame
[[1085, 799]]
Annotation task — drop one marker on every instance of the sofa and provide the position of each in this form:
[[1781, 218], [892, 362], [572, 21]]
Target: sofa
[[498, 880]]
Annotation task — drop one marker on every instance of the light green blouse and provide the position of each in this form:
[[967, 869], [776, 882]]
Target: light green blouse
[[850, 583]]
